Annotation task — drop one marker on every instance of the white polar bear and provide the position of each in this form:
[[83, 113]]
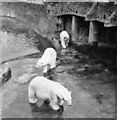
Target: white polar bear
[[64, 39], [42, 88], [48, 60]]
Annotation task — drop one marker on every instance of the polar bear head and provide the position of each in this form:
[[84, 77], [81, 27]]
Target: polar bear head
[[65, 42], [68, 98], [64, 39]]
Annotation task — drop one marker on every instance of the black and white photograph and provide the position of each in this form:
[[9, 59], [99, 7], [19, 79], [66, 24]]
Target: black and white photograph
[[58, 59]]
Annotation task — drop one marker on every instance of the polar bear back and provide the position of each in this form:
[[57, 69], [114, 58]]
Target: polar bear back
[[41, 86], [43, 83], [64, 34], [45, 87], [49, 53]]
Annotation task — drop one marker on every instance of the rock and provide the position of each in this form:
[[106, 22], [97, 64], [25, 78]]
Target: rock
[[60, 69], [80, 69], [5, 75]]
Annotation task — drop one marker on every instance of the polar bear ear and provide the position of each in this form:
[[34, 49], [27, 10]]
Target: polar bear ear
[[70, 92]]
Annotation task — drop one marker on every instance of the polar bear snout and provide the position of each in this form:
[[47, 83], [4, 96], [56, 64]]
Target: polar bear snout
[[63, 44], [66, 42], [70, 102], [69, 99]]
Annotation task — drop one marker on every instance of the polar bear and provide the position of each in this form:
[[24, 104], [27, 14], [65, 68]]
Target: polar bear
[[64, 39], [48, 60], [45, 89]]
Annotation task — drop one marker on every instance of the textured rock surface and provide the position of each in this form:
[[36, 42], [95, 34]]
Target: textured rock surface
[[43, 19], [102, 12], [5, 74]]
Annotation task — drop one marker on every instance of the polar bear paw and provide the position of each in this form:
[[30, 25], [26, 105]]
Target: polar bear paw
[[33, 101], [55, 107], [61, 109]]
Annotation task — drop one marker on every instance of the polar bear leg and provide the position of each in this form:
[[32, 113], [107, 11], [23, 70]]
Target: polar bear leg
[[53, 102], [61, 102], [54, 105], [32, 96], [45, 69], [53, 65]]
